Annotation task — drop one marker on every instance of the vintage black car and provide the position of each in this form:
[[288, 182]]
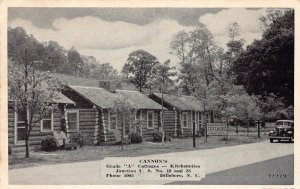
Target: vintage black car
[[284, 130]]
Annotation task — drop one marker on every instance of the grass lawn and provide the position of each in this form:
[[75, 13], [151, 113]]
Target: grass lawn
[[88, 153]]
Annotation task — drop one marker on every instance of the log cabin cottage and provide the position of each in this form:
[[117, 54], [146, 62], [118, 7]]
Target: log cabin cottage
[[40, 129], [97, 103], [182, 112]]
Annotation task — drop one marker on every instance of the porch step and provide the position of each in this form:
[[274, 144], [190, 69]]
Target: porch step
[[21, 148]]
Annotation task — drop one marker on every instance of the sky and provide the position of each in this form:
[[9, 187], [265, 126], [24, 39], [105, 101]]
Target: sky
[[111, 34]]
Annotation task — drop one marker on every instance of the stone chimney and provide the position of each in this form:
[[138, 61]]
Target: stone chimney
[[109, 85]]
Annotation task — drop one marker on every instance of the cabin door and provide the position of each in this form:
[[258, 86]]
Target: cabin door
[[72, 120], [20, 130]]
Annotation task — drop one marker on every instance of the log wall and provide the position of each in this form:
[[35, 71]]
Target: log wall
[[170, 122], [36, 135]]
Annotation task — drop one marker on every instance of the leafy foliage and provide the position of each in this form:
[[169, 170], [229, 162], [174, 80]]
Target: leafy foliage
[[123, 111], [136, 137], [234, 30], [267, 65], [75, 61], [34, 92], [205, 74], [273, 108], [161, 77], [138, 66], [48, 143], [272, 15], [50, 56]]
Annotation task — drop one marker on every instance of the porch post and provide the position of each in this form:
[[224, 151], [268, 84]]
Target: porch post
[[97, 129], [175, 129], [103, 124]]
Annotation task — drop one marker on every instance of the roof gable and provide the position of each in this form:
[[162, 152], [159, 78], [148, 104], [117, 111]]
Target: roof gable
[[98, 96]]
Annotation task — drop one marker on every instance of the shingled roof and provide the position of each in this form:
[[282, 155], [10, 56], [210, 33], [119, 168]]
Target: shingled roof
[[96, 95], [105, 99], [183, 102], [138, 100], [62, 99], [58, 99]]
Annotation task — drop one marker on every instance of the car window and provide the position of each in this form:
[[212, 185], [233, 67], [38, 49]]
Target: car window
[[279, 123]]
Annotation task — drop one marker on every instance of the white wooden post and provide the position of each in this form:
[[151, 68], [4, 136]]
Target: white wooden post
[[103, 124], [97, 129], [175, 130]]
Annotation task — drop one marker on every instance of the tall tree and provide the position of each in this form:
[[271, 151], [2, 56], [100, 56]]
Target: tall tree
[[123, 112], [32, 93], [271, 15], [161, 78], [180, 46], [243, 107], [235, 45], [234, 30], [138, 66], [106, 71], [18, 41], [75, 61], [199, 57], [54, 58], [267, 65]]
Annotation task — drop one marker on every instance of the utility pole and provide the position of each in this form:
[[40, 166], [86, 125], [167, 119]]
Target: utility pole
[[258, 128], [194, 137], [25, 109], [205, 120]]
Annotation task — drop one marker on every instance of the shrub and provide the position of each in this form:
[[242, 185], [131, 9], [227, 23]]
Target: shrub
[[157, 136], [136, 137], [79, 138], [48, 143]]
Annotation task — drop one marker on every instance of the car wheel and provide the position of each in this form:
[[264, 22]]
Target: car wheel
[[271, 140]]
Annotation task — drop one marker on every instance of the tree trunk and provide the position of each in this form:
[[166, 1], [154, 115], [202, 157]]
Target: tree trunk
[[27, 147], [248, 128], [140, 87], [194, 135], [25, 109], [205, 121], [162, 108], [122, 133]]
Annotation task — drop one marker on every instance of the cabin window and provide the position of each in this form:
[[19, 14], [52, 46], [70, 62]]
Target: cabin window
[[185, 119], [47, 122], [73, 120], [150, 120]]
